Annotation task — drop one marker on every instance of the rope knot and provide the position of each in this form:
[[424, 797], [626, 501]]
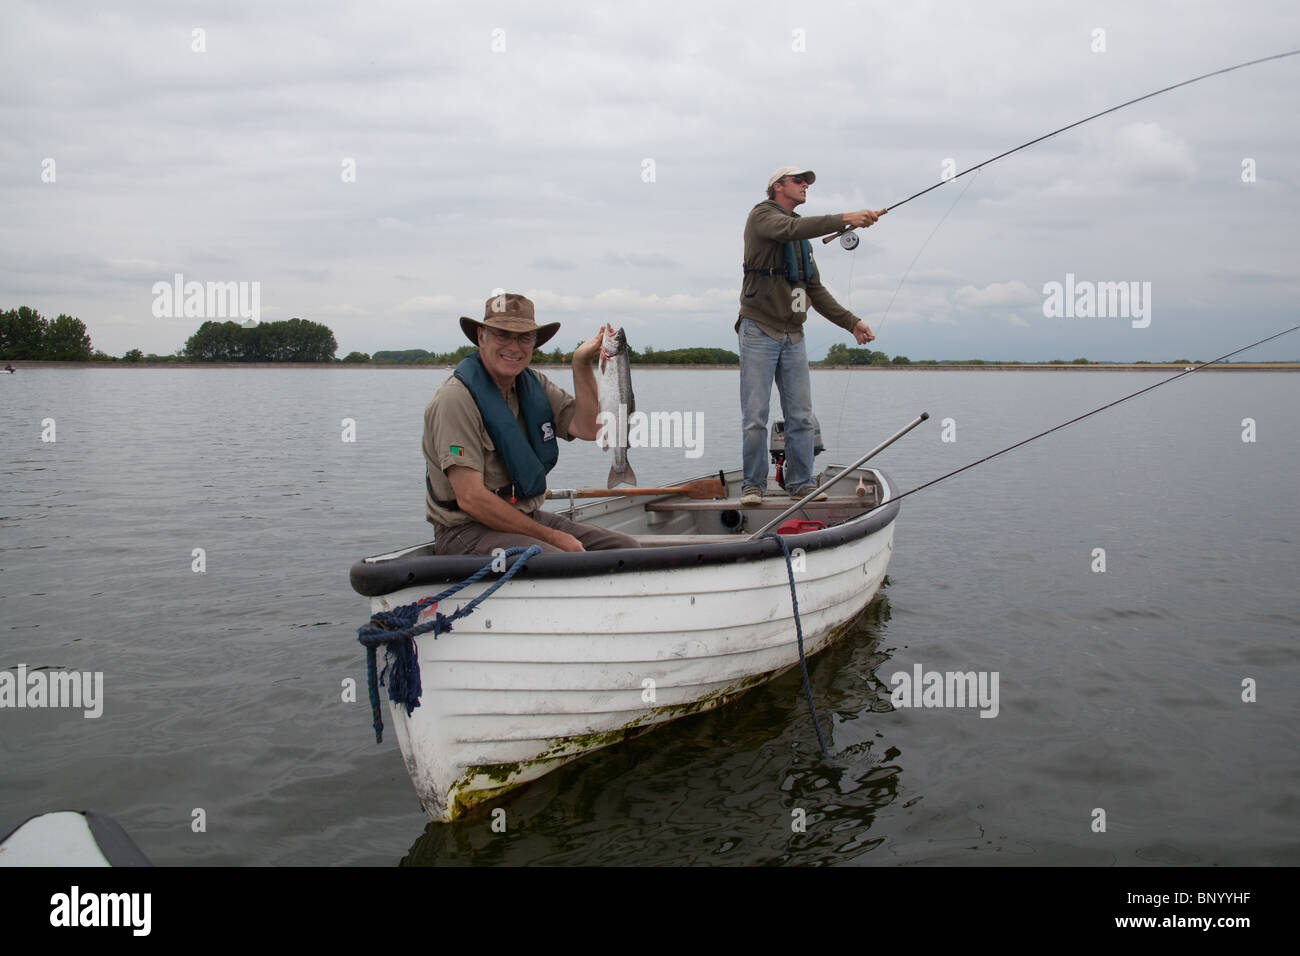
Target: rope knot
[[396, 631]]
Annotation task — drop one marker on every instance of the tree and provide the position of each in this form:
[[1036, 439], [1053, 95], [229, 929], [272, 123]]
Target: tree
[[22, 334], [902, 360], [293, 341], [404, 357], [356, 358], [134, 355], [66, 340]]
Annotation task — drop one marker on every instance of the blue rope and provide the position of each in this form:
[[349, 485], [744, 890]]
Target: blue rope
[[396, 630], [798, 630]]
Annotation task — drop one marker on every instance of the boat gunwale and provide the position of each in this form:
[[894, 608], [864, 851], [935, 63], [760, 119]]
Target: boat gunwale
[[372, 578]]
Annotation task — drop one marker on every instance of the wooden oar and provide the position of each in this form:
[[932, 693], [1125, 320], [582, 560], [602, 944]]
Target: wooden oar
[[700, 488]]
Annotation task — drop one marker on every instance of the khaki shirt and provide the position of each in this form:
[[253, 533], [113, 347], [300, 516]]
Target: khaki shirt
[[455, 435], [770, 300]]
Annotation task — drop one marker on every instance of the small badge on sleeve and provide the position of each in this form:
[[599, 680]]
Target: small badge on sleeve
[[548, 433], [457, 450]]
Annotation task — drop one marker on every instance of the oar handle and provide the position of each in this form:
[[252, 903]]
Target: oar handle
[[703, 488]]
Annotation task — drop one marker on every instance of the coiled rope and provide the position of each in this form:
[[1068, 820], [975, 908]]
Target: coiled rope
[[397, 629]]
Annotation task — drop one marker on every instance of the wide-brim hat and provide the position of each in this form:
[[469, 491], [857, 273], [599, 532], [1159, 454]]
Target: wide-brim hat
[[791, 171], [509, 312]]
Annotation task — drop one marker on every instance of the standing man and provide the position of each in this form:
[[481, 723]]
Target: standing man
[[490, 438], [781, 281]]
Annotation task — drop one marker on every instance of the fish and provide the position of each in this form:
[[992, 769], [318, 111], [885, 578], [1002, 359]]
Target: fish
[[617, 403]]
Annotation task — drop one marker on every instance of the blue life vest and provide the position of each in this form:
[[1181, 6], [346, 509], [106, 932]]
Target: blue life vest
[[529, 456], [798, 264]]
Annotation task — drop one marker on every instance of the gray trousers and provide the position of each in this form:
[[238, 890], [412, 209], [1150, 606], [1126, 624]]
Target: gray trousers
[[475, 538]]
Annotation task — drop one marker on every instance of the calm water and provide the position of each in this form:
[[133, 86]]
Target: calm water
[[1118, 690]]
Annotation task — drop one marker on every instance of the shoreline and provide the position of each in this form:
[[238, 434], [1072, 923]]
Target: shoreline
[[1118, 367]]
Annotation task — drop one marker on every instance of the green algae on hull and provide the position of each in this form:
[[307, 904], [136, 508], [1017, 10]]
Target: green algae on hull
[[463, 796]]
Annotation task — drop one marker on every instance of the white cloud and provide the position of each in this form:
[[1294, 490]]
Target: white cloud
[[1147, 153], [432, 303], [1012, 293]]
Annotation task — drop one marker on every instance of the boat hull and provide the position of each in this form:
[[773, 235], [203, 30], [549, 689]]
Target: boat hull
[[553, 667]]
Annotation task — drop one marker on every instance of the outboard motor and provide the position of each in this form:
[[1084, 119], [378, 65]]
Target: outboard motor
[[777, 447]]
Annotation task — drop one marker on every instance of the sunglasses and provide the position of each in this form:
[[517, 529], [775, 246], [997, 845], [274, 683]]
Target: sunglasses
[[799, 180]]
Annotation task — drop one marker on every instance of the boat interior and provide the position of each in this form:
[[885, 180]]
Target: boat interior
[[704, 523], [699, 517]]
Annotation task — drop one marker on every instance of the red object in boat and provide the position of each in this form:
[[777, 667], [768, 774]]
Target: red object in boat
[[799, 526]]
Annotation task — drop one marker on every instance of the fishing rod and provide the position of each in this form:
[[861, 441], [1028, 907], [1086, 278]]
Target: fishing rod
[[852, 243], [924, 416], [1080, 418]]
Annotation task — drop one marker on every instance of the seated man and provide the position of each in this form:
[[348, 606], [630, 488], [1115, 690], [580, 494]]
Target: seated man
[[490, 438]]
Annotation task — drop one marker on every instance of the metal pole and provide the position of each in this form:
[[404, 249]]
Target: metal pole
[[857, 464]]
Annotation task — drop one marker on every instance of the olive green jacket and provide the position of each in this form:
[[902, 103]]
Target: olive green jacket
[[770, 301]]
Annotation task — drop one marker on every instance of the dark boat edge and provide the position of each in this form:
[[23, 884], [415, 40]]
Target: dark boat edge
[[376, 578]]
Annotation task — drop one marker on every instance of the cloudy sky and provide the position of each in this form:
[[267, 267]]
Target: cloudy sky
[[382, 167]]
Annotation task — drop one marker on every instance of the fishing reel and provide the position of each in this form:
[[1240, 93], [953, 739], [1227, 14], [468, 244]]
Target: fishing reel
[[849, 240]]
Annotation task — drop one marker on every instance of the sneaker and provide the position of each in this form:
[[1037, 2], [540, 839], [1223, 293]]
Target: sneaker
[[805, 490], [751, 495]]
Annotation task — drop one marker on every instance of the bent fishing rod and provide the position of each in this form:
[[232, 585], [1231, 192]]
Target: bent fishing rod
[[1196, 79]]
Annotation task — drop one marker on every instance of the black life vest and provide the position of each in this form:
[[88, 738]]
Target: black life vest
[[799, 266], [798, 261], [529, 453]]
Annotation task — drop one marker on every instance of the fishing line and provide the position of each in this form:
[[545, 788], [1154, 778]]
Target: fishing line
[[848, 230], [921, 250], [1138, 99], [853, 258], [1093, 412]]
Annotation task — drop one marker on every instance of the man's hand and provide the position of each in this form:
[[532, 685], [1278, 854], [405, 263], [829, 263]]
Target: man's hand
[[863, 218], [473, 498], [862, 333], [586, 352], [563, 541], [587, 402]]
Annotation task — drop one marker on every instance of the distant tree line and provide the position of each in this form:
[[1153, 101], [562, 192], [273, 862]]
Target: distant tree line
[[691, 356], [26, 334], [841, 354], [694, 356], [293, 340]]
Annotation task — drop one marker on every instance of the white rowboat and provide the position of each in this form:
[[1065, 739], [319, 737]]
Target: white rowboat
[[580, 651]]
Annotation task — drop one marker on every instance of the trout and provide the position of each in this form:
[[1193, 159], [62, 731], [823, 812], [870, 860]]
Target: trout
[[617, 403]]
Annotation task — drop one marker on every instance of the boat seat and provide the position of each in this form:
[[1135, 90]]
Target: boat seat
[[672, 540], [774, 503]]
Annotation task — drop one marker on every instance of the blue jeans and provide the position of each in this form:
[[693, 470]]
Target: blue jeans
[[762, 360]]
